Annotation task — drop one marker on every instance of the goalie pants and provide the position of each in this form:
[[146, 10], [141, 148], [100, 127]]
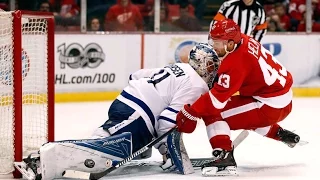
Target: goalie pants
[[123, 118]]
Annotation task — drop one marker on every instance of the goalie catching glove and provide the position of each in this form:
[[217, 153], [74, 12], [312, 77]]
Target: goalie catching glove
[[187, 119], [168, 164]]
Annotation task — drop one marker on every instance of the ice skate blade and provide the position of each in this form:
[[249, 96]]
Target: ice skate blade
[[27, 174], [300, 143], [214, 171]]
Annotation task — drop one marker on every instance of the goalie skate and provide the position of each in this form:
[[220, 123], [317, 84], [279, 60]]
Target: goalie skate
[[30, 167]]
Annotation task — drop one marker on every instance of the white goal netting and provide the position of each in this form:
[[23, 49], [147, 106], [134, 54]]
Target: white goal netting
[[34, 60]]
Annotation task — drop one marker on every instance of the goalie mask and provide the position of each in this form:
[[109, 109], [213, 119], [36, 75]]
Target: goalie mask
[[204, 60]]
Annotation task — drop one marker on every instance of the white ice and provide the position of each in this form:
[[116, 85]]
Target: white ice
[[257, 157]]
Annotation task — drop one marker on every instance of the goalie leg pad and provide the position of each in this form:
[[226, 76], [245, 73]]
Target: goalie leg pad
[[178, 153], [89, 155]]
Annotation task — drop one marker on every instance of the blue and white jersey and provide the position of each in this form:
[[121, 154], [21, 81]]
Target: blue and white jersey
[[159, 94]]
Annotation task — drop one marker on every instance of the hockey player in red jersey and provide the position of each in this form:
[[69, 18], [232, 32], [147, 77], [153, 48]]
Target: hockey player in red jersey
[[265, 96]]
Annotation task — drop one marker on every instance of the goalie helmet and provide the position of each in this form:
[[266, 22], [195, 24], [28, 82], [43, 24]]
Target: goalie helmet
[[204, 60]]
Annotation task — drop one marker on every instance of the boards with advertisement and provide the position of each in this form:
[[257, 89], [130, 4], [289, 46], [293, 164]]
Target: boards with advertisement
[[299, 54], [95, 63], [97, 67]]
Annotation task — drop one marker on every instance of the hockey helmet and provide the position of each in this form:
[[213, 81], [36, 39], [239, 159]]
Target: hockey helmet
[[204, 60], [227, 30]]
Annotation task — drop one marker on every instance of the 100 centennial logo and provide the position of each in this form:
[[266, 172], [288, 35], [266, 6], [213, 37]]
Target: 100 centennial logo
[[75, 56]]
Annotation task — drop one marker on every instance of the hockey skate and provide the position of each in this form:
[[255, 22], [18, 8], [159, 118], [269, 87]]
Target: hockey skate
[[30, 167], [289, 138], [223, 164]]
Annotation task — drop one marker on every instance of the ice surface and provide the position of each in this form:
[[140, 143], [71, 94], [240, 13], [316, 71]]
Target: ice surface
[[257, 157]]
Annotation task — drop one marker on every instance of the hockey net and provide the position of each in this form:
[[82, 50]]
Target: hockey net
[[26, 85]]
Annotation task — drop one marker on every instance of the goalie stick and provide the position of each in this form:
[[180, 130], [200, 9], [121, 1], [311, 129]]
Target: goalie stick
[[94, 176], [196, 162]]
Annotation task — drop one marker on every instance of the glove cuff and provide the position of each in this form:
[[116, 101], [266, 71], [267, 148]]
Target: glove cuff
[[185, 112]]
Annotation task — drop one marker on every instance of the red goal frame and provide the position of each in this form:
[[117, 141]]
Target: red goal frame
[[17, 80]]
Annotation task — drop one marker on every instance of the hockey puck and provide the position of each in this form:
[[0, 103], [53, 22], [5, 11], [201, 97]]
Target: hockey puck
[[108, 163]]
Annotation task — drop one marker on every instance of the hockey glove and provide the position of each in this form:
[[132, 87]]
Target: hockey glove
[[187, 119], [168, 164]]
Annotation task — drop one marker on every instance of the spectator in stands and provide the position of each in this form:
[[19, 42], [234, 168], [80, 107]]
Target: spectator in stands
[[190, 8], [296, 10], [67, 14], [124, 16], [316, 10], [45, 7], [274, 25], [302, 25], [66, 8], [165, 24], [187, 22], [146, 11], [284, 18], [200, 6], [95, 25]]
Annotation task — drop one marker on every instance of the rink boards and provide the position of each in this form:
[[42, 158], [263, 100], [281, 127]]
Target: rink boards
[[95, 67]]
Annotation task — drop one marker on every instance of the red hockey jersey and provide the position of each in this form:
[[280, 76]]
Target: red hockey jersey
[[253, 71]]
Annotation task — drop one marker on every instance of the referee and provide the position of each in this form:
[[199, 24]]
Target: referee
[[248, 14]]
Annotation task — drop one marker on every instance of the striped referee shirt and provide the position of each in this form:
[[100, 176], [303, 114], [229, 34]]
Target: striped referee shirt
[[251, 19]]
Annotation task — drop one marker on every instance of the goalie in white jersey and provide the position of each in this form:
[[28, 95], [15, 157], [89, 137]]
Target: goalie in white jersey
[[144, 110]]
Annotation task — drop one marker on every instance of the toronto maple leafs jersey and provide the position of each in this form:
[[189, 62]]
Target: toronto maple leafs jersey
[[158, 94]]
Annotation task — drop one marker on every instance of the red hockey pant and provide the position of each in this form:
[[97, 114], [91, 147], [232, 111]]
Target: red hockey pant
[[248, 113]]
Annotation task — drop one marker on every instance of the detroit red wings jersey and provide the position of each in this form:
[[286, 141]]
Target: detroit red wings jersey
[[253, 71]]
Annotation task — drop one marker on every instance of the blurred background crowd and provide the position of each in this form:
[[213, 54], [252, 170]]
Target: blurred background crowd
[[175, 15]]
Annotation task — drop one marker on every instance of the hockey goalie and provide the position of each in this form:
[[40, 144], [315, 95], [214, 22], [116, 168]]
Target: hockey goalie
[[145, 109]]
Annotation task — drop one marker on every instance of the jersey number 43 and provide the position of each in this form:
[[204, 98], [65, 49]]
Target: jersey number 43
[[271, 68]]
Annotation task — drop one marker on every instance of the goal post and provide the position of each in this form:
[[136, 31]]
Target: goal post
[[26, 85]]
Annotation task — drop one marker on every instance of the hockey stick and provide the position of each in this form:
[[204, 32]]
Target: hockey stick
[[94, 176], [242, 136], [197, 162]]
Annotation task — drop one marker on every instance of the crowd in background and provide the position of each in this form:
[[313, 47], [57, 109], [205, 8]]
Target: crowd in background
[[290, 15], [175, 15]]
